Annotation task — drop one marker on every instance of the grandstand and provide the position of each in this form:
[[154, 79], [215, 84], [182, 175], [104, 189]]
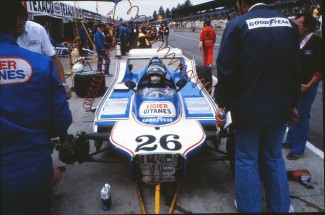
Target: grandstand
[[225, 9], [222, 11]]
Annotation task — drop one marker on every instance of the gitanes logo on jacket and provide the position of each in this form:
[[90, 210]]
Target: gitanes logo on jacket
[[268, 22], [14, 70]]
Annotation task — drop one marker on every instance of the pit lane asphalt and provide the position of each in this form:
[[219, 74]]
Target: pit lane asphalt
[[208, 187]]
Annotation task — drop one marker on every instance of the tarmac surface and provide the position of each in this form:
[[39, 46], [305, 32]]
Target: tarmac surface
[[208, 187]]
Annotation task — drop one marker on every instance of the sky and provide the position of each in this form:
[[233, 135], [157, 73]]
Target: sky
[[146, 7]]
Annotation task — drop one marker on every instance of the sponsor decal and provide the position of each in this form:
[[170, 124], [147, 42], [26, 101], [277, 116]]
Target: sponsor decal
[[30, 43], [268, 22], [157, 109], [14, 71], [157, 119]]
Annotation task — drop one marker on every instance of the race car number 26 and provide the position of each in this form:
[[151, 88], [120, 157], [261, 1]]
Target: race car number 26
[[168, 142]]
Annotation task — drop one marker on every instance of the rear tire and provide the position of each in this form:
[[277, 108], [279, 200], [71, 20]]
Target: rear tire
[[81, 149], [66, 154], [98, 144]]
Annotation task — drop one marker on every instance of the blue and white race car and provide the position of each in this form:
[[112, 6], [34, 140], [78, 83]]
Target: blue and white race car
[[156, 112]]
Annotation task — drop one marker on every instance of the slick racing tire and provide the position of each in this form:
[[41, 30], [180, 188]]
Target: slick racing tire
[[205, 75], [81, 148], [90, 84], [66, 154]]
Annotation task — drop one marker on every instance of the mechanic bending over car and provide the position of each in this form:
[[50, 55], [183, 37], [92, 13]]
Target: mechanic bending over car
[[258, 71], [33, 109]]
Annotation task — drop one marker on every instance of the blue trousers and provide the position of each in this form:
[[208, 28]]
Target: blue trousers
[[258, 157], [28, 191], [298, 132], [165, 41], [101, 65]]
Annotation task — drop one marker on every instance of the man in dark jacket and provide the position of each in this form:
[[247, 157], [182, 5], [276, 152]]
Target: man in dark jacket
[[124, 35], [312, 68], [103, 55], [165, 33], [33, 109], [257, 70]]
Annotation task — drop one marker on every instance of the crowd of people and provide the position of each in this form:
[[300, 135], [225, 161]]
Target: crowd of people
[[276, 68], [129, 34]]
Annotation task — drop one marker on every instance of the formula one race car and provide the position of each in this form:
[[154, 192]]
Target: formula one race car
[[156, 112]]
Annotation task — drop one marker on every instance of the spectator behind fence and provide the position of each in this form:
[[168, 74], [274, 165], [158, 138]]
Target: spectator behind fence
[[257, 71], [33, 109]]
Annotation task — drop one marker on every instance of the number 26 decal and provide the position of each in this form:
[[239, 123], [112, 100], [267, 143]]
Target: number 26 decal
[[168, 142]]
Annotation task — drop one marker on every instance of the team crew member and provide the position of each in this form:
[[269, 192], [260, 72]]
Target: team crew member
[[165, 33], [102, 52], [312, 66], [257, 71], [33, 109], [207, 40], [142, 39], [35, 38], [124, 35]]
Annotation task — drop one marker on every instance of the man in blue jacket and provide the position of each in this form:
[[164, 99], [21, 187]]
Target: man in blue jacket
[[33, 109], [257, 70], [124, 34], [102, 52]]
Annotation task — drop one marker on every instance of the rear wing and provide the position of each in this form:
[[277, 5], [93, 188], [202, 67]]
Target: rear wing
[[166, 53]]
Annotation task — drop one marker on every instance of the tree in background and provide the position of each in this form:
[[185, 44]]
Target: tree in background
[[155, 15], [161, 11], [168, 14]]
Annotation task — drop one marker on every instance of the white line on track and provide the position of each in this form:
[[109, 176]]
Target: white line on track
[[314, 149]]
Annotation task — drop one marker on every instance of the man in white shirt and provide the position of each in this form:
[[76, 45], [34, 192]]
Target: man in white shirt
[[35, 38]]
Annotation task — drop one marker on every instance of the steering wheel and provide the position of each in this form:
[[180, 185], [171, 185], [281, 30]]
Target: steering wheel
[[156, 94]]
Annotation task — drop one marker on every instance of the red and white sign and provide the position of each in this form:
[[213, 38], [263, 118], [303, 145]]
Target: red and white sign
[[14, 70], [154, 109]]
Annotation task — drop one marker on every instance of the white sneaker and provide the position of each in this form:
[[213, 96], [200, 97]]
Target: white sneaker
[[235, 203], [291, 209]]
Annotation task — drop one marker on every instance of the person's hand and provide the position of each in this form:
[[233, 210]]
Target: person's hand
[[68, 91], [304, 87], [219, 122], [200, 47], [293, 115]]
